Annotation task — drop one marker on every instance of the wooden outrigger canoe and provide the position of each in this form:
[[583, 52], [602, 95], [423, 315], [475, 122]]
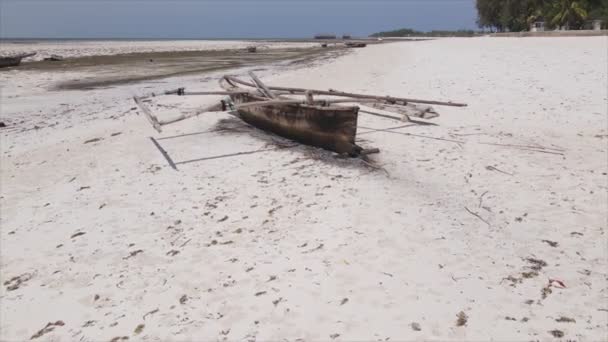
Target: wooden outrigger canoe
[[355, 44], [311, 121], [333, 128], [9, 61]]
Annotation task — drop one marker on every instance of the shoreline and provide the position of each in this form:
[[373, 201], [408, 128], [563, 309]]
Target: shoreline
[[91, 71], [162, 65], [71, 48]]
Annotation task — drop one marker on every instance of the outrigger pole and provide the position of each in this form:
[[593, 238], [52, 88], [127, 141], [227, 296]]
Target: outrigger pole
[[270, 95]]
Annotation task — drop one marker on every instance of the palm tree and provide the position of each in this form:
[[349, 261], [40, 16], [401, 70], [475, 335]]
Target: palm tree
[[569, 13], [534, 16], [534, 11]]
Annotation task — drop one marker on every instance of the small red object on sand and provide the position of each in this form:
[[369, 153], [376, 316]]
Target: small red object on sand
[[557, 283]]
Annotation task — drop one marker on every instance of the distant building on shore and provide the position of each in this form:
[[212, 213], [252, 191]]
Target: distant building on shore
[[538, 26], [325, 36], [594, 25], [347, 36]]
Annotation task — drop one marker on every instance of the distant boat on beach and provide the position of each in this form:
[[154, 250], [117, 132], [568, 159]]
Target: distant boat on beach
[[8, 61], [356, 44], [325, 36]]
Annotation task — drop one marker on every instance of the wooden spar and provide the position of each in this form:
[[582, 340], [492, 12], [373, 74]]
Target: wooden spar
[[384, 115], [182, 92], [321, 101], [212, 92], [157, 124], [257, 97], [153, 120], [389, 99], [267, 103], [261, 91], [317, 101], [309, 99], [213, 108], [407, 110], [370, 151], [26, 55], [331, 92], [264, 89]]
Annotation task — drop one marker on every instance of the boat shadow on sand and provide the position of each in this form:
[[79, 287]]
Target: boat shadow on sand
[[271, 142]]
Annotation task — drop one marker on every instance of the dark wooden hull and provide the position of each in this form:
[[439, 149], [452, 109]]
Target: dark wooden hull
[[332, 128], [9, 61], [356, 45], [15, 60]]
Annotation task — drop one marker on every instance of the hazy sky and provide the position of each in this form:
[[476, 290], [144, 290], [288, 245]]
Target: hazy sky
[[227, 18]]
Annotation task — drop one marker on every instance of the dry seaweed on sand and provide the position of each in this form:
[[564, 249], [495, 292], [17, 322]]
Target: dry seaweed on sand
[[462, 319], [47, 329], [564, 319], [15, 282], [537, 264]]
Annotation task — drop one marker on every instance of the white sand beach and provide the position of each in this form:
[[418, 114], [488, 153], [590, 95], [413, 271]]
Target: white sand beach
[[489, 225]]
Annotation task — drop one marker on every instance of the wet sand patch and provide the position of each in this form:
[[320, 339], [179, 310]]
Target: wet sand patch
[[101, 71]]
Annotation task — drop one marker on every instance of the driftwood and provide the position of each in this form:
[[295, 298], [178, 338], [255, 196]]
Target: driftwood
[[477, 215]]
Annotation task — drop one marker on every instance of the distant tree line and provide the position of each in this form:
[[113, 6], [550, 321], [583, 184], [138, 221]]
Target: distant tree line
[[518, 15], [406, 32]]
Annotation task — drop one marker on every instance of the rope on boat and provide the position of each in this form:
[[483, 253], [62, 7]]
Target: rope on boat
[[227, 103]]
